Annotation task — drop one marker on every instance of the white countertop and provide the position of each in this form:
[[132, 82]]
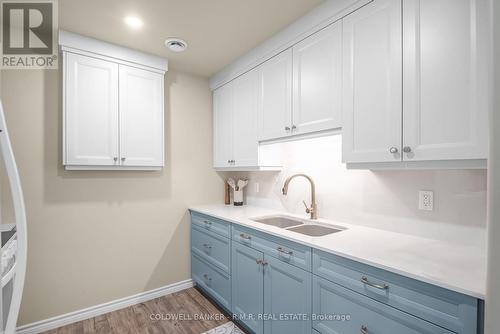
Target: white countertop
[[444, 264]]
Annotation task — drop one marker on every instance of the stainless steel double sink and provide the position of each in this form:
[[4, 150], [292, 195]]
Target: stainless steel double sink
[[298, 225]]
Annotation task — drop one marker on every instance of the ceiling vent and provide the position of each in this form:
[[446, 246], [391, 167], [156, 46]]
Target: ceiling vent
[[176, 44]]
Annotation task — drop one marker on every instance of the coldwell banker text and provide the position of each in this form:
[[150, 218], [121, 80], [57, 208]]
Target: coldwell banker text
[[29, 34]]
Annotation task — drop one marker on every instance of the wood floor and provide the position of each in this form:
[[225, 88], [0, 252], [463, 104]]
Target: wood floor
[[186, 305]]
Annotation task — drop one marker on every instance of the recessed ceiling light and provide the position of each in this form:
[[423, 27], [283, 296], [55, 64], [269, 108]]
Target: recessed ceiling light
[[133, 22], [176, 44]]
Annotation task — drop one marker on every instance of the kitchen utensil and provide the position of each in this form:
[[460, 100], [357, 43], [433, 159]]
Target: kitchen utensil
[[231, 182], [242, 183], [227, 196]]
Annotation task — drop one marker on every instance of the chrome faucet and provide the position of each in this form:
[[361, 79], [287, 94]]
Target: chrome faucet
[[313, 209]]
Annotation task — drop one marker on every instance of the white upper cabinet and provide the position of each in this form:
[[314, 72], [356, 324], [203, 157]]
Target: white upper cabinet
[[113, 106], [223, 126], [445, 79], [141, 117], [245, 131], [372, 83], [91, 111], [423, 98], [407, 81], [275, 97], [301, 88], [317, 81], [236, 145]]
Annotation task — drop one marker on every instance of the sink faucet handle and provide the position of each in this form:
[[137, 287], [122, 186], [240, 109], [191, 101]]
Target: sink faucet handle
[[308, 209]]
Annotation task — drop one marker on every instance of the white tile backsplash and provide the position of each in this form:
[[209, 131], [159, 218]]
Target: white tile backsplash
[[381, 199]]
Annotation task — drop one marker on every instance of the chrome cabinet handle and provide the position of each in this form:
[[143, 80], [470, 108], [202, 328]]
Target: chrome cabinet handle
[[207, 246], [244, 236], [364, 330], [284, 251], [123, 159], [264, 263], [205, 276], [207, 223], [407, 149], [393, 150], [259, 261], [294, 127], [115, 159], [287, 128], [365, 280]]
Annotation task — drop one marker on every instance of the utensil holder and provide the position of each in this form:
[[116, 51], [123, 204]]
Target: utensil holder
[[238, 197]]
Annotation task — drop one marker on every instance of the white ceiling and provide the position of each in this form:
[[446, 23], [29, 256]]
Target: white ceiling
[[217, 31]]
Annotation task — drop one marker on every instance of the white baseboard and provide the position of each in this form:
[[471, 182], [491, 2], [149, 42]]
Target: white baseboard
[[90, 312]]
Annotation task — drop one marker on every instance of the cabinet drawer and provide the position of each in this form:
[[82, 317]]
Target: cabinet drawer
[[287, 251], [211, 224], [442, 307], [332, 304], [215, 282], [211, 247]]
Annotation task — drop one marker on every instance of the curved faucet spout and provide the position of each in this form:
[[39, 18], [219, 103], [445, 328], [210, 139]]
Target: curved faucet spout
[[313, 210]]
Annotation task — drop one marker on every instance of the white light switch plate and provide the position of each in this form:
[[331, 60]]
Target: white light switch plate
[[426, 200]]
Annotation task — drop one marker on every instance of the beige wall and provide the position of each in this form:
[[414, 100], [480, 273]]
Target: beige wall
[[98, 236]]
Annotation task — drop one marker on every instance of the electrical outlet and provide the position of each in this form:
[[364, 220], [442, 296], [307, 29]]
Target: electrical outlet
[[256, 187], [426, 200]]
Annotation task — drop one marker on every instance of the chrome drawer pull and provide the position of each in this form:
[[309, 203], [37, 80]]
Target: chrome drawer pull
[[244, 236], [207, 246], [265, 263], [207, 277], [364, 330], [259, 261], [284, 251], [365, 280], [207, 223]]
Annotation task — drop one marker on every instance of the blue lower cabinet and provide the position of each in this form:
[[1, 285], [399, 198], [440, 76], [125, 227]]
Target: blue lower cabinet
[[337, 310], [287, 298], [211, 247], [212, 280], [247, 287], [453, 311], [267, 284]]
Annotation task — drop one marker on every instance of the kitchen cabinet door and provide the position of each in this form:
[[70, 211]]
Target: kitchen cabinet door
[[223, 126], [366, 315], [275, 97], [247, 286], [91, 111], [245, 131], [141, 117], [445, 79], [317, 81], [372, 83], [287, 298]]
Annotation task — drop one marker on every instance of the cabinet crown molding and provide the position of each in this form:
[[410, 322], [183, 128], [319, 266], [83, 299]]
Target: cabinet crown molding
[[318, 18], [76, 43]]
